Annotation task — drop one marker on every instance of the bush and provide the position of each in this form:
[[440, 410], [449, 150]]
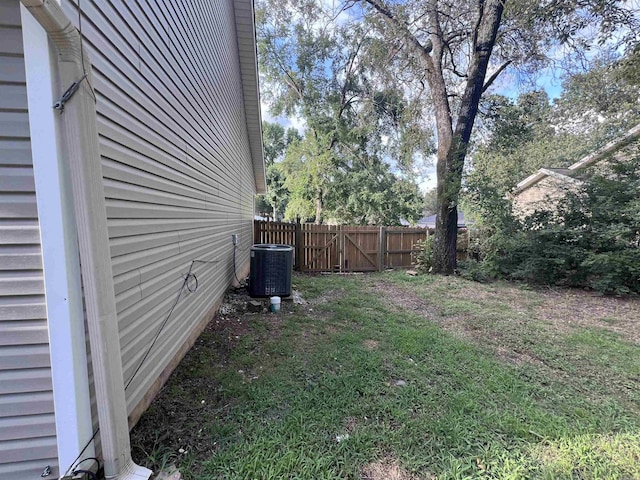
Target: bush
[[474, 270], [592, 239], [422, 255]]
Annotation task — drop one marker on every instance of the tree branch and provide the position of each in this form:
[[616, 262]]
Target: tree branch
[[289, 80], [425, 49], [495, 75]]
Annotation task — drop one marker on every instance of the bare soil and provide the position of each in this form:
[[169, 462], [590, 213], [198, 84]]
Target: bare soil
[[567, 309], [388, 469], [371, 344], [562, 310]]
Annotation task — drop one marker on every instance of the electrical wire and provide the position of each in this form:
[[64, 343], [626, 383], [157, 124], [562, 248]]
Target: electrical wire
[[84, 71], [183, 286], [87, 472], [235, 247], [195, 287], [74, 464], [89, 458]]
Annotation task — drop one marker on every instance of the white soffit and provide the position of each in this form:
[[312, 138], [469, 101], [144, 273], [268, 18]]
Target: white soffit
[[246, 33]]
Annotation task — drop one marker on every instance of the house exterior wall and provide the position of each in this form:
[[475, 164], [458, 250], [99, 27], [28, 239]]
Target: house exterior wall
[[27, 426], [547, 192], [543, 195], [177, 167]]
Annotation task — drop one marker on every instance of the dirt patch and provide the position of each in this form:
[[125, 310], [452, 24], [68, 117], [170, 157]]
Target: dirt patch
[[399, 298], [351, 424], [565, 310], [517, 357], [562, 310], [385, 470], [555, 313], [371, 344], [327, 297]]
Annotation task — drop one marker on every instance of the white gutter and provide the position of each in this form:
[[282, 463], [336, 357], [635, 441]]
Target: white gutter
[[60, 254], [78, 127]]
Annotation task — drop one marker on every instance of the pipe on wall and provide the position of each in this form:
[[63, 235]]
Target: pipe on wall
[[79, 140]]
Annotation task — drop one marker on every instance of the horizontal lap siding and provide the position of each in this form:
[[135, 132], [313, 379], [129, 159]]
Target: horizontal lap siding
[[27, 426], [178, 175]]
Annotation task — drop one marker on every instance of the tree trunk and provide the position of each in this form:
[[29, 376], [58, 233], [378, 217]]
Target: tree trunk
[[452, 142], [449, 170], [448, 188], [319, 208], [451, 164], [445, 240]]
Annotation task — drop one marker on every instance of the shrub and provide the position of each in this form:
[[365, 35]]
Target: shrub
[[422, 255], [592, 239], [474, 270]]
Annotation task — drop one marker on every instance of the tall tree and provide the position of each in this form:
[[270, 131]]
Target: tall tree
[[460, 48], [276, 140], [521, 136], [317, 65]]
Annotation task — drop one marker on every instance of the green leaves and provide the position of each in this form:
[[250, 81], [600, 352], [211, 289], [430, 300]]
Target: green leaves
[[362, 138], [276, 141], [591, 240]]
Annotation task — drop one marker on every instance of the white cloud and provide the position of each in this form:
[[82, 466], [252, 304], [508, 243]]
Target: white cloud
[[296, 122]]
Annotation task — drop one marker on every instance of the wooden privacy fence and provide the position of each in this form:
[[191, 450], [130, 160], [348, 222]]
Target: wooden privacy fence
[[343, 248]]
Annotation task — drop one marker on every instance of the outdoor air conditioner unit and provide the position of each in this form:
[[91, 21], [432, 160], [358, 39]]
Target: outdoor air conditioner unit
[[271, 267]]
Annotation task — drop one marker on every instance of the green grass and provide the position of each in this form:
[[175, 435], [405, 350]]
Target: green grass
[[281, 398]]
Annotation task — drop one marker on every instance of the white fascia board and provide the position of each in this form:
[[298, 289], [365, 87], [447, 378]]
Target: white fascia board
[[246, 41], [60, 254], [530, 180], [608, 149]]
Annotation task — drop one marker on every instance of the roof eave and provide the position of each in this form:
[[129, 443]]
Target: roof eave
[[559, 176], [247, 50], [529, 181], [608, 149]]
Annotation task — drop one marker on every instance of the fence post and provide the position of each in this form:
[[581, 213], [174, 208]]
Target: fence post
[[299, 247], [339, 244], [382, 241]]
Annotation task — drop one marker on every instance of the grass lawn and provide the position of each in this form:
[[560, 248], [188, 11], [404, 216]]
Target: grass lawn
[[387, 376]]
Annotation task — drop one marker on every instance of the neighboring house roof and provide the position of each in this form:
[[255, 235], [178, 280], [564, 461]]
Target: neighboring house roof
[[246, 33], [571, 173], [430, 221]]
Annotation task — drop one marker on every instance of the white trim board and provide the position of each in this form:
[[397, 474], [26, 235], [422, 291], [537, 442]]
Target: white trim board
[[59, 252]]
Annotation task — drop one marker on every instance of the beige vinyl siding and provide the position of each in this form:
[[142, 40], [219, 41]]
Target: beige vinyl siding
[[27, 426], [177, 165]]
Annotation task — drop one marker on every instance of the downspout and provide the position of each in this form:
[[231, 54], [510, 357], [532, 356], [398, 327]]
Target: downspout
[[78, 127]]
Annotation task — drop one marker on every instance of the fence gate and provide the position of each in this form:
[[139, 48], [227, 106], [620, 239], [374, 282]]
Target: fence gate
[[399, 243], [360, 249], [319, 249]]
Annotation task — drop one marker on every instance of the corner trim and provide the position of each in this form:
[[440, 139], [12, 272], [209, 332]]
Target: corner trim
[[60, 255]]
